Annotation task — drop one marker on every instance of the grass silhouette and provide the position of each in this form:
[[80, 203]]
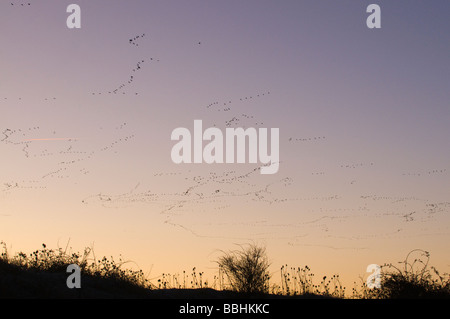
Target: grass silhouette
[[242, 274]]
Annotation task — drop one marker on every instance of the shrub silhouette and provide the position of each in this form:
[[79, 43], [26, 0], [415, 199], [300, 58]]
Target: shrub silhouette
[[413, 280], [246, 269]]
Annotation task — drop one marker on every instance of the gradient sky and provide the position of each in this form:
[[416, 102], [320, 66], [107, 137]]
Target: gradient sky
[[86, 117]]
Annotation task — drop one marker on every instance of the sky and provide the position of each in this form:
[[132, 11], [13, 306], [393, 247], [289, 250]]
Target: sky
[[86, 117]]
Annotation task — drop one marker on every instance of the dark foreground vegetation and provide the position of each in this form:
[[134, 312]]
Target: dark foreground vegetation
[[242, 273]]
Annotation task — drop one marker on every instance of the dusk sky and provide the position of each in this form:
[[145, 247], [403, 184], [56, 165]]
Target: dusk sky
[[86, 117]]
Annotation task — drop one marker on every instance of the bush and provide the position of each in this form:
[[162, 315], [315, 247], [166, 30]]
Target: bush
[[413, 280], [247, 269]]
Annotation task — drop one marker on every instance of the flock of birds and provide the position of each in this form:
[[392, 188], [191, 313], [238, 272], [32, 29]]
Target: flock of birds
[[426, 172], [20, 98], [133, 41], [238, 118], [356, 165], [211, 189], [215, 191], [69, 156], [21, 4], [307, 139], [120, 89]]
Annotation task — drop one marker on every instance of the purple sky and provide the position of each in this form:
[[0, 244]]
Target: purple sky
[[86, 119]]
